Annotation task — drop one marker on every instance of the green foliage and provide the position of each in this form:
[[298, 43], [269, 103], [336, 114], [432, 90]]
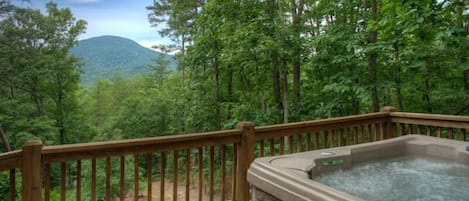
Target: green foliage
[[38, 77], [5, 186]]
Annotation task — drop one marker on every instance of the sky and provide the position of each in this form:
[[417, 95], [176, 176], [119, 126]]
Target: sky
[[125, 18]]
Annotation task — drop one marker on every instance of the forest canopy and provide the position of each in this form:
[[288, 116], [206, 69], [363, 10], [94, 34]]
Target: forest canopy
[[267, 62]]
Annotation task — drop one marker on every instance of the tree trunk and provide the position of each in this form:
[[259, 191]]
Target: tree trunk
[[59, 105], [285, 94], [5, 142], [372, 59], [217, 89], [275, 66], [230, 90], [297, 12], [181, 66], [426, 96]]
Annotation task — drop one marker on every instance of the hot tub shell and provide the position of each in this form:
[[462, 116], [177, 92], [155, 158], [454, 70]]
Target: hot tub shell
[[287, 177]]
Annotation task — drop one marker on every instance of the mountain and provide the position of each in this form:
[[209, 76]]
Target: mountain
[[106, 56]]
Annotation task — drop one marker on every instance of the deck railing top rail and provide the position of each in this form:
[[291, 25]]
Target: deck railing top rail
[[263, 132], [141, 146], [10, 160], [435, 120]]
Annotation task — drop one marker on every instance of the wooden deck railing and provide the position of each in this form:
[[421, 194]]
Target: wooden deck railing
[[175, 167]]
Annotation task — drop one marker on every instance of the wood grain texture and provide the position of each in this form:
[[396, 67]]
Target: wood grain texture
[[245, 158], [136, 177], [78, 194], [63, 188], [234, 177], [93, 180], [122, 178], [13, 185], [138, 146], [11, 160], [107, 196], [149, 177], [188, 174], [163, 176], [175, 174], [31, 170]]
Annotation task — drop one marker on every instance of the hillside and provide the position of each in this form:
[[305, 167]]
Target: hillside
[[106, 56]]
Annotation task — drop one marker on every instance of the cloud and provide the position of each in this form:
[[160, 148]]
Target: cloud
[[148, 43], [152, 43]]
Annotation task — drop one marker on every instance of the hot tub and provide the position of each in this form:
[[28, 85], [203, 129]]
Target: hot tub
[[305, 176]]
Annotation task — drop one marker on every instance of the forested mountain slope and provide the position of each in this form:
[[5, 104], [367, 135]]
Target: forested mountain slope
[[106, 56]]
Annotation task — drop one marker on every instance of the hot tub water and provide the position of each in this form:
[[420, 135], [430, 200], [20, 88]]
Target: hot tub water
[[403, 178]]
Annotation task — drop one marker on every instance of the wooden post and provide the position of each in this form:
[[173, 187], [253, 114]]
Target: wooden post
[[245, 158], [31, 186], [390, 127]]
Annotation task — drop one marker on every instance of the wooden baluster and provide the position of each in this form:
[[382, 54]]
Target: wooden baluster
[[347, 138], [223, 171], [332, 134], [370, 133], [235, 164], [149, 178], [13, 185], [162, 175], [201, 172], [419, 129], [107, 197], [46, 183], [281, 143], [290, 144], [401, 129], [340, 137], [450, 133], [93, 179], [439, 132], [325, 137], [308, 142], [355, 135], [212, 169], [261, 148], [188, 173], [299, 144], [381, 130], [362, 132], [463, 134], [79, 180], [122, 178], [429, 130], [175, 174], [136, 179], [63, 178], [411, 129], [272, 146], [316, 140]]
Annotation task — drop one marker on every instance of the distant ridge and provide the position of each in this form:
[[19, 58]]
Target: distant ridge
[[106, 56]]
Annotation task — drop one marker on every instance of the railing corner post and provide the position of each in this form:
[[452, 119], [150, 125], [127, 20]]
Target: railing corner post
[[31, 171], [390, 127], [245, 158]]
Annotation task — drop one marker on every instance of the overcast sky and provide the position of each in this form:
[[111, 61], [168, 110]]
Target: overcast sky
[[126, 18]]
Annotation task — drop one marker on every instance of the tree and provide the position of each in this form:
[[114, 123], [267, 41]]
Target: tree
[[37, 71]]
